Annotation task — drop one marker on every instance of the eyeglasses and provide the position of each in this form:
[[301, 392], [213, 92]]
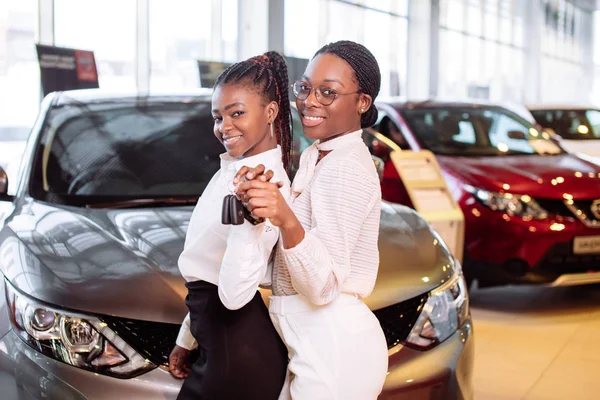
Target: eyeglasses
[[324, 95]]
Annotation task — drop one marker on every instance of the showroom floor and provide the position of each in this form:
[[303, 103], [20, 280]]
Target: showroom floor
[[537, 343]]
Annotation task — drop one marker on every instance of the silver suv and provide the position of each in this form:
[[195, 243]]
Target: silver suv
[[92, 296]]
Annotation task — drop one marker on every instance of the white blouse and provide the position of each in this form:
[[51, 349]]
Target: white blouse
[[338, 202], [233, 257]]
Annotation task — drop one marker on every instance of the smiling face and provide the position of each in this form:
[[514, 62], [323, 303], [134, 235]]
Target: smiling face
[[242, 117], [343, 114]]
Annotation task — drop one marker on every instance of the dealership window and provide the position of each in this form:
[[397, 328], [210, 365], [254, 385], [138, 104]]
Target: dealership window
[[482, 49], [381, 25], [595, 96], [185, 31], [19, 71], [106, 27], [566, 43]]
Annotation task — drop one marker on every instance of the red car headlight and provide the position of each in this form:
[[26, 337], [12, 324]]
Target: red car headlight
[[519, 205]]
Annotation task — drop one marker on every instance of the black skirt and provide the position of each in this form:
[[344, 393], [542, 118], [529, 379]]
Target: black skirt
[[244, 356]]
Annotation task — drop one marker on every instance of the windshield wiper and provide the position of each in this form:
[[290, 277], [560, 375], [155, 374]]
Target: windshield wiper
[[141, 203]]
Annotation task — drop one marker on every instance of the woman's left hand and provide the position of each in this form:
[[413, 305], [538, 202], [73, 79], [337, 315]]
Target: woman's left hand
[[248, 173], [264, 200]]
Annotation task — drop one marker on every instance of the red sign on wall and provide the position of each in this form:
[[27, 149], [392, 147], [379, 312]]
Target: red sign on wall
[[86, 66]]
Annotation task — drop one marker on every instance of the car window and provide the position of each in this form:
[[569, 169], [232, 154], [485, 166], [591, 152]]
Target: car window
[[593, 117], [128, 150], [466, 132], [571, 124], [390, 129], [499, 134], [476, 132]]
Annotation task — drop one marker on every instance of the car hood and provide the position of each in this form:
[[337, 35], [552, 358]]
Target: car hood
[[539, 176], [413, 259], [124, 262]]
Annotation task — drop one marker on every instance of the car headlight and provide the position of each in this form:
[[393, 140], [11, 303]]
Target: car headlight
[[446, 310], [513, 204], [79, 340]]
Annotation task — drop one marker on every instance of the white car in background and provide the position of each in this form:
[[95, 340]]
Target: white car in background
[[12, 145], [577, 128]]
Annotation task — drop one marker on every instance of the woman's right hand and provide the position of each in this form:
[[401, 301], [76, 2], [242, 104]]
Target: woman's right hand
[[179, 364]]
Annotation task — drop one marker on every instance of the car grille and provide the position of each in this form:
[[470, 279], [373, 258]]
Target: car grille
[[555, 207], [587, 216], [580, 209], [153, 340], [398, 320]]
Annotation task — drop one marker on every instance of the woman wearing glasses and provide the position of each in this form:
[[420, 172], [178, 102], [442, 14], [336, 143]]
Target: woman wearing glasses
[[327, 259]]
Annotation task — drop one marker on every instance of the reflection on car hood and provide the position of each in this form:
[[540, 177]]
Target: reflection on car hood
[[115, 262], [412, 257], [124, 262], [538, 176]]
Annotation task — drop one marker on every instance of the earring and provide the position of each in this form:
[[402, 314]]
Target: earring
[[362, 110], [272, 129]]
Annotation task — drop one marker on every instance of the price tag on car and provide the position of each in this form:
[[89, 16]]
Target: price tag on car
[[586, 245]]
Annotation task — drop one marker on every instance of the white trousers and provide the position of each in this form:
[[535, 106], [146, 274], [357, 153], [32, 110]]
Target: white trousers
[[337, 351]]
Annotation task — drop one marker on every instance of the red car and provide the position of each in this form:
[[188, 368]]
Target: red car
[[532, 211]]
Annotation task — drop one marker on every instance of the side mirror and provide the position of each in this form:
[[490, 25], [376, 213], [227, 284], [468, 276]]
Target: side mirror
[[379, 165], [518, 135], [4, 196]]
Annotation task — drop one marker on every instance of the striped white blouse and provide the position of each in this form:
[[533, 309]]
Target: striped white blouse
[[337, 201]]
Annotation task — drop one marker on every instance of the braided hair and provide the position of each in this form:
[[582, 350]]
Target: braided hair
[[268, 75], [366, 70]]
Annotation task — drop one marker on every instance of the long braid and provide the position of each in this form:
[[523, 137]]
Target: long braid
[[366, 69], [284, 117], [268, 74]]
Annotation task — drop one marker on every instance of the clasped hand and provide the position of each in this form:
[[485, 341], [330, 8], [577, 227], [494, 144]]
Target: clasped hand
[[261, 196]]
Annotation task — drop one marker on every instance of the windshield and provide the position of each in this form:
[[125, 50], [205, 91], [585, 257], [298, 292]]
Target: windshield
[[571, 124], [477, 132], [123, 150]]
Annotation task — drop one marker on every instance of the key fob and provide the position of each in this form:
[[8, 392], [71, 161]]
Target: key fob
[[254, 221], [236, 211], [226, 210]]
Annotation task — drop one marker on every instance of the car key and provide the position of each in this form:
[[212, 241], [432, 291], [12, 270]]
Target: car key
[[236, 211], [226, 210]]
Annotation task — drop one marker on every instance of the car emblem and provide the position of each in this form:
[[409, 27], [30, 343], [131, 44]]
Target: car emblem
[[595, 208]]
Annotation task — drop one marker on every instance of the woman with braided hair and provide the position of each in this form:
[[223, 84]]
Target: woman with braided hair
[[327, 259], [225, 264]]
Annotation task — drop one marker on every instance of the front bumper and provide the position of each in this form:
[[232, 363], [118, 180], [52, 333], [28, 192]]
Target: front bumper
[[442, 373], [500, 249], [26, 374]]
